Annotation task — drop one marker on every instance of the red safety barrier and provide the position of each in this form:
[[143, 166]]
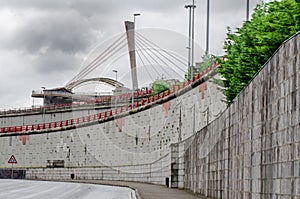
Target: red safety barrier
[[152, 99], [158, 96], [47, 126], [18, 128]]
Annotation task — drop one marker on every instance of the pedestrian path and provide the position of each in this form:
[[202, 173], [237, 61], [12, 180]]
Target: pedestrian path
[[148, 191]]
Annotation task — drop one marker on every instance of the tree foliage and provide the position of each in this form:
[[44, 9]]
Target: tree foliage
[[160, 86], [249, 47]]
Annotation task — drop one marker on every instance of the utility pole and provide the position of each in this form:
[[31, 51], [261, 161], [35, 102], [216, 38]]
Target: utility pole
[[115, 71], [207, 27], [191, 40], [247, 11]]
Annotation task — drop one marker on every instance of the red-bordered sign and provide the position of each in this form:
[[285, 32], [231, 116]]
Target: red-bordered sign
[[12, 160]]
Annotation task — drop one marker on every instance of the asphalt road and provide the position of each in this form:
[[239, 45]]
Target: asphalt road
[[25, 189]]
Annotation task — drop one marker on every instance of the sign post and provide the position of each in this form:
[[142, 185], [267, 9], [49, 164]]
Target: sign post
[[12, 160]]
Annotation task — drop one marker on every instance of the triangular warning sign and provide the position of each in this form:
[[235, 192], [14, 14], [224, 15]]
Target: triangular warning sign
[[12, 160]]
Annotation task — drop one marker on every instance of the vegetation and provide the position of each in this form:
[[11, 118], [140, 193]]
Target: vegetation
[[247, 49], [160, 86], [207, 61]]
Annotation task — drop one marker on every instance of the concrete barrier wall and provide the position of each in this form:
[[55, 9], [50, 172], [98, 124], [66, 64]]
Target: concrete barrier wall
[[253, 149], [156, 172]]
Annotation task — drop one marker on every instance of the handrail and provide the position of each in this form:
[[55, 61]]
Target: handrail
[[105, 114], [74, 105]]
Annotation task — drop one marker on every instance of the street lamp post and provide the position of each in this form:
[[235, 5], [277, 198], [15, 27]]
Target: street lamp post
[[207, 27], [44, 95], [44, 103], [191, 39], [135, 15], [247, 11], [115, 71]]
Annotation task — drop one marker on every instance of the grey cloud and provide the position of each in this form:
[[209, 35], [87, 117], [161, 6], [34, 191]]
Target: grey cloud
[[58, 31], [55, 62], [54, 35]]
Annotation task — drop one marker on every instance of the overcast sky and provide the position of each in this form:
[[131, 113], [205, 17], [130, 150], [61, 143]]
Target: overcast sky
[[43, 43]]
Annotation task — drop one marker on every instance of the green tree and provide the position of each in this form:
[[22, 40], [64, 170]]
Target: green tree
[[249, 47], [160, 86]]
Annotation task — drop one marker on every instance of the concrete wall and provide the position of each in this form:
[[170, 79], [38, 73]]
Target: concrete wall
[[155, 172], [140, 138], [253, 149], [134, 147]]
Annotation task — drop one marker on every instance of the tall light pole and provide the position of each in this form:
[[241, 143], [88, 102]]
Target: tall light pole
[[207, 27], [191, 40], [44, 103], [135, 15], [247, 11], [115, 71], [133, 85], [44, 95]]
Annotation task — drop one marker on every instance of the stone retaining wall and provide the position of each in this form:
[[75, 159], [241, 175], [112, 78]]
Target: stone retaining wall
[[253, 149]]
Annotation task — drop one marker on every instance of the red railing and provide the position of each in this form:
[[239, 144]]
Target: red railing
[[102, 115]]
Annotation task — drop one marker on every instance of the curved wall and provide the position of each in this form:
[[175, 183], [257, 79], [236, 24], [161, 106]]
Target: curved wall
[[253, 149], [136, 145]]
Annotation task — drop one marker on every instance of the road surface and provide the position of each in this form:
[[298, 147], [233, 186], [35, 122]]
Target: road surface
[[25, 189]]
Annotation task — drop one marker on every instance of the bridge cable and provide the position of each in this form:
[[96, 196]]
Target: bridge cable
[[164, 62], [100, 60], [158, 49], [182, 60], [137, 52], [156, 60], [91, 65]]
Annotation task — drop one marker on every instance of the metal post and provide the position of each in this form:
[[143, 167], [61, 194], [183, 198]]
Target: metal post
[[12, 171], [115, 71], [193, 38], [247, 11], [207, 28], [189, 47], [44, 103]]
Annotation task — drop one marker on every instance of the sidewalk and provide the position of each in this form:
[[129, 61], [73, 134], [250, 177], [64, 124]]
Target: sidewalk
[[147, 191]]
